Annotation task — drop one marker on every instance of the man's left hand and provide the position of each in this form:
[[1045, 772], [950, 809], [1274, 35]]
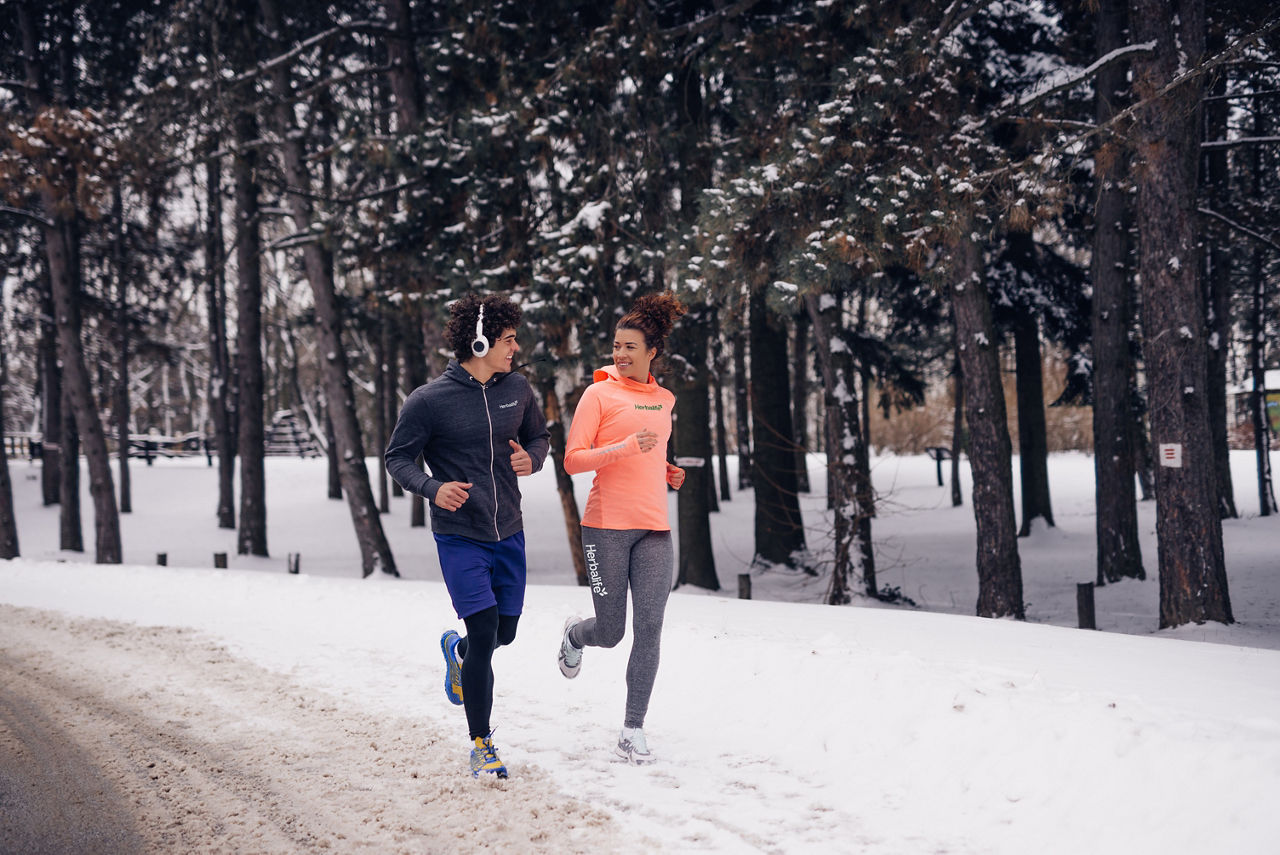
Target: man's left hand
[[521, 462]]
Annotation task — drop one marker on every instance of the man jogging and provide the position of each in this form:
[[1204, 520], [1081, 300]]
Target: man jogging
[[479, 427]]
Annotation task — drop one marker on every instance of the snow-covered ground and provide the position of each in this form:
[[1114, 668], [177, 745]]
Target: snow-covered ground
[[781, 725]]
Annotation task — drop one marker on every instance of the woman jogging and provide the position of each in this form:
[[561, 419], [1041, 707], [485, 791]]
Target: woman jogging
[[620, 429]]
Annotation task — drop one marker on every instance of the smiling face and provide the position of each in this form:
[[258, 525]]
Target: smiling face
[[631, 357], [502, 353]]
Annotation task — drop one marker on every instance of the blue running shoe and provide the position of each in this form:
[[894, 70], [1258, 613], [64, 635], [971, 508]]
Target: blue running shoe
[[452, 667], [484, 758]]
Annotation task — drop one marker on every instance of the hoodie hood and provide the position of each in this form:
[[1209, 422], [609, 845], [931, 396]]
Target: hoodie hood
[[610, 373]]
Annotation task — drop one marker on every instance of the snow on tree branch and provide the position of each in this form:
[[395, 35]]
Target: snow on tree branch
[[1068, 78], [1244, 230]]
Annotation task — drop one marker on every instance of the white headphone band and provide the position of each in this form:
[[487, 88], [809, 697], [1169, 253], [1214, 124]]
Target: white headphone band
[[480, 344]]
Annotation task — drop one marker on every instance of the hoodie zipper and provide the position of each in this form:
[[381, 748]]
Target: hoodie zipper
[[484, 391]]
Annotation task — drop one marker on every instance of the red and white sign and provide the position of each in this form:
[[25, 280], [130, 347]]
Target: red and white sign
[[1171, 454]]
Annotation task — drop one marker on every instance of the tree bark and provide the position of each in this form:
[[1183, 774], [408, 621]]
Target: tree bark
[[800, 399], [779, 529], [1193, 582], [1217, 280], [61, 237], [1033, 445], [742, 411], [990, 450], [1119, 554], [957, 432], [8, 519], [122, 375], [251, 537], [848, 478], [51, 420], [375, 552], [691, 441], [1258, 342], [70, 525], [219, 358], [722, 441], [554, 414]]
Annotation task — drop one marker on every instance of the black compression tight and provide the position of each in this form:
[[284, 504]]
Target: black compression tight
[[486, 632]]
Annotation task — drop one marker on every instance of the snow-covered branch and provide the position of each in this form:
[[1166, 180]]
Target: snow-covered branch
[[701, 25], [1244, 230], [1069, 78], [307, 44], [1239, 141], [27, 215]]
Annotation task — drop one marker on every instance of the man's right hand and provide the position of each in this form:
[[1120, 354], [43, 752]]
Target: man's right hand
[[452, 494]]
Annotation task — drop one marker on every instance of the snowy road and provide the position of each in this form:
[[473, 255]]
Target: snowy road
[[115, 737]]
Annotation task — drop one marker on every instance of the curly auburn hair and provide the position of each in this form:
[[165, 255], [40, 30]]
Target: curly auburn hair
[[499, 314], [653, 315]]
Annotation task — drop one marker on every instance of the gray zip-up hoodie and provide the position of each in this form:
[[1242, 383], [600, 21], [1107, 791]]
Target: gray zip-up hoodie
[[462, 428]]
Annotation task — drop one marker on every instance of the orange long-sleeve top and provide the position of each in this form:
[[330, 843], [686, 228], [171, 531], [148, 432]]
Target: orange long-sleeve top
[[630, 487]]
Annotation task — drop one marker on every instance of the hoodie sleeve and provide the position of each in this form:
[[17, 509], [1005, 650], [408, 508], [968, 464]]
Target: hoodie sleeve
[[579, 454], [412, 431], [534, 436]]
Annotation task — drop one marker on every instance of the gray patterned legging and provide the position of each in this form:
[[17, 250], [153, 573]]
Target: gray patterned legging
[[641, 560]]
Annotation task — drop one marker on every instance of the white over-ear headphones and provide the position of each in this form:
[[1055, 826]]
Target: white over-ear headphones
[[480, 346]]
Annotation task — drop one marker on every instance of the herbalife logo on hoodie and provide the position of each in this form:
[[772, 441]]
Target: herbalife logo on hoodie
[[593, 571], [648, 406]]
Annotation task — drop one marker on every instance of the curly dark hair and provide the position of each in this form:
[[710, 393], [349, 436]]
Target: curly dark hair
[[653, 315], [499, 314]]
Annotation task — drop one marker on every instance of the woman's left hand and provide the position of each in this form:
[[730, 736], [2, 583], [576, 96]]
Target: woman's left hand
[[675, 476]]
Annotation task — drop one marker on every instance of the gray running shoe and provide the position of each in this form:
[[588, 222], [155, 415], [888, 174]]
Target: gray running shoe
[[570, 657], [632, 747]]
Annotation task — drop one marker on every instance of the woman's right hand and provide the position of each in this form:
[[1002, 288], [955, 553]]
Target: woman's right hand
[[648, 440]]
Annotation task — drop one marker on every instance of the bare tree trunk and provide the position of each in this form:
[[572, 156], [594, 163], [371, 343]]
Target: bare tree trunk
[[1217, 279], [375, 552], [415, 369], [957, 432], [1119, 554], [381, 399], [990, 450], [122, 379], [62, 250], [1193, 582], [1258, 340], [554, 415], [70, 525], [722, 441], [1033, 447], [779, 529], [51, 420], [848, 478], [219, 359], [251, 435], [687, 358], [800, 399], [8, 520], [742, 411], [1257, 398]]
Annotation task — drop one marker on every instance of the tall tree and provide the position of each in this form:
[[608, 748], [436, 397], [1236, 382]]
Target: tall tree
[[1119, 554], [251, 537], [1167, 133], [375, 552], [779, 528], [72, 138]]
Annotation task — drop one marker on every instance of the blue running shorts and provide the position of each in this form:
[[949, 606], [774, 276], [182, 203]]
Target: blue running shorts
[[480, 574]]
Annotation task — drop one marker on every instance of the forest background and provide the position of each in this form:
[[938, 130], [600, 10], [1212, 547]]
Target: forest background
[[219, 210]]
